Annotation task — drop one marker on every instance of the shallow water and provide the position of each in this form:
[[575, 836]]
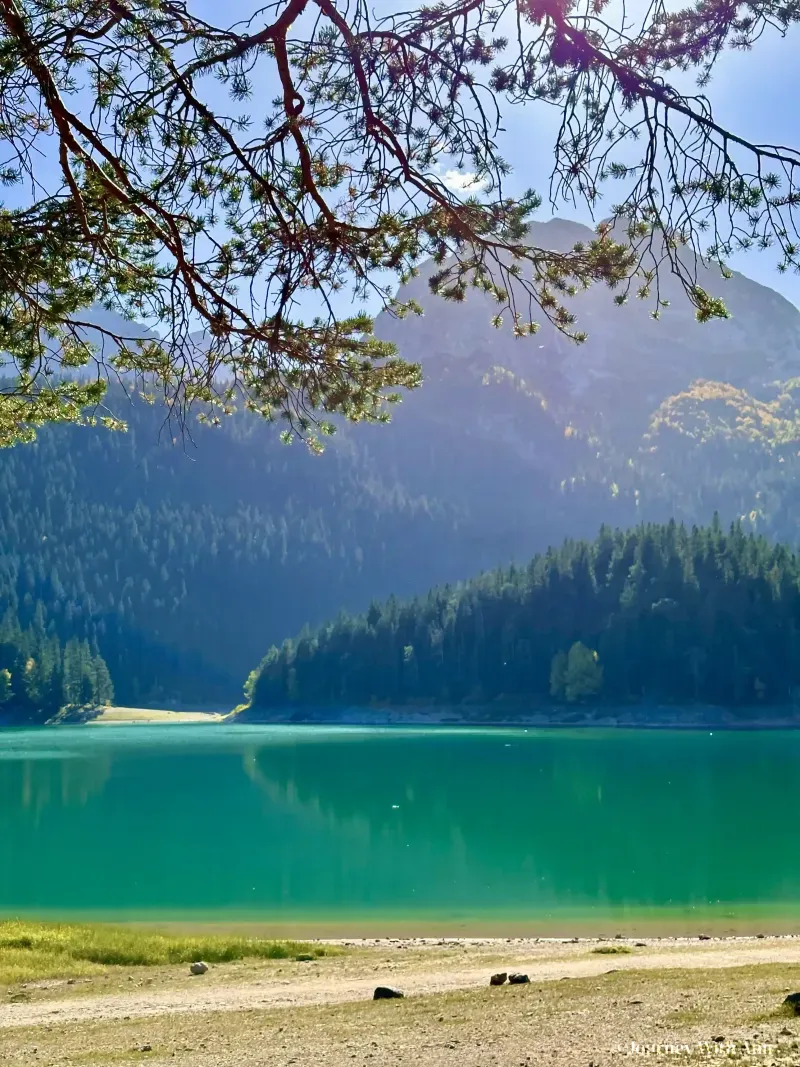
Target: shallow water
[[395, 831]]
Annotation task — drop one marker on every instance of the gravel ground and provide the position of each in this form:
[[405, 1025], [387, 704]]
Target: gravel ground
[[582, 1007]]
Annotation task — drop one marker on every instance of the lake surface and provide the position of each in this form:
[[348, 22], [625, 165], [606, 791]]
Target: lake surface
[[396, 831]]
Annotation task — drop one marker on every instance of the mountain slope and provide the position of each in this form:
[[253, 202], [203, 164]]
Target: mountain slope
[[181, 561], [630, 362]]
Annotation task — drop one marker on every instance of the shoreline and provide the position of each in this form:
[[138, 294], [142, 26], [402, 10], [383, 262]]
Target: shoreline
[[117, 716], [644, 717], [662, 926], [635, 717]]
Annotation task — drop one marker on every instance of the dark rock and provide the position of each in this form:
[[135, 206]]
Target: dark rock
[[786, 1032], [385, 992], [641, 944], [518, 979], [498, 979], [793, 1002]]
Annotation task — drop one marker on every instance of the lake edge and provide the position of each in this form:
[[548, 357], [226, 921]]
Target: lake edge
[[636, 717], [646, 717]]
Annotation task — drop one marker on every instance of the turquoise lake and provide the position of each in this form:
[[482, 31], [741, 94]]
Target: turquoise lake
[[348, 831]]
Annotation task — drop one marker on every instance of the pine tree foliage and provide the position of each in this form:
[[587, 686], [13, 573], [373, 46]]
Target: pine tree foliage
[[40, 675], [184, 196], [658, 613]]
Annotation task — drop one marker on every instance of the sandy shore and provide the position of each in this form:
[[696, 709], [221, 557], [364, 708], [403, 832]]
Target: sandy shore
[[150, 716]]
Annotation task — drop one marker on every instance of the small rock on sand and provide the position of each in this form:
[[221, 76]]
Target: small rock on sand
[[385, 992]]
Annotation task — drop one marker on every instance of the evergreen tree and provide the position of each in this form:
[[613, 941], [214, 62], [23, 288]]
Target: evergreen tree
[[39, 676]]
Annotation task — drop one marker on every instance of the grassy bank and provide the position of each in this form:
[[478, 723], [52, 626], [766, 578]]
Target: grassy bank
[[31, 951]]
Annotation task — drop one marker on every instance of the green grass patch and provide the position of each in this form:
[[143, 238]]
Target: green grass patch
[[43, 950], [29, 965], [611, 950]]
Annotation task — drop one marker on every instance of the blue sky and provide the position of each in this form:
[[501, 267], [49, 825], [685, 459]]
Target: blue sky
[[754, 94]]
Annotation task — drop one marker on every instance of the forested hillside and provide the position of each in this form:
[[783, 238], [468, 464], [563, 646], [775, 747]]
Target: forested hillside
[[180, 560], [659, 613]]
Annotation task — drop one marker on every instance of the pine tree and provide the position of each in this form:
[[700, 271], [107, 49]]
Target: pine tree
[[337, 185], [558, 676]]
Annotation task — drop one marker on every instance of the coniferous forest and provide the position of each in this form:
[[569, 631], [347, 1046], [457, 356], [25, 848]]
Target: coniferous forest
[[659, 613], [40, 675], [177, 558]]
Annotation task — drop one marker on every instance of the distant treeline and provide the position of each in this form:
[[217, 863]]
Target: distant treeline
[[39, 675], [657, 613]]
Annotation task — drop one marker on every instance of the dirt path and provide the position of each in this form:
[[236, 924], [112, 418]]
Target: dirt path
[[416, 972]]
